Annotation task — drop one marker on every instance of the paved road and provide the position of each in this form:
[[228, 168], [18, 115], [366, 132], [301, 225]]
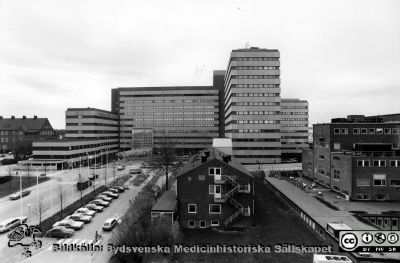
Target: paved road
[[47, 192]]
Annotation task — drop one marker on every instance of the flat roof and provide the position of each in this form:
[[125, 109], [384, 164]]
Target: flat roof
[[166, 203], [166, 88]]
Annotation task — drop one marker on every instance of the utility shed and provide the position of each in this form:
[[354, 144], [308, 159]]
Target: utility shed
[[165, 208]]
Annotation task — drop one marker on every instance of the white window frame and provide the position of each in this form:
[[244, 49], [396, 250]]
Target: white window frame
[[213, 223], [194, 224], [214, 213], [203, 221], [336, 130], [363, 131], [214, 171], [371, 129], [379, 177], [195, 208], [344, 131], [356, 130]]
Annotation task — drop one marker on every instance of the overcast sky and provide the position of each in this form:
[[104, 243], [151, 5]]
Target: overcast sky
[[341, 56]]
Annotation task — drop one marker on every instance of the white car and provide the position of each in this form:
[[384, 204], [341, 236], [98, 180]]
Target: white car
[[85, 211], [12, 222], [80, 217], [69, 223], [100, 202], [105, 198], [110, 224]]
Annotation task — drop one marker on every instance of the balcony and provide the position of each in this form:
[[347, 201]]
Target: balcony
[[219, 179]]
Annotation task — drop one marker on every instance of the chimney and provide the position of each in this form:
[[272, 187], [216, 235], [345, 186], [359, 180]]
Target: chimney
[[35, 117], [23, 117], [12, 117], [226, 158]]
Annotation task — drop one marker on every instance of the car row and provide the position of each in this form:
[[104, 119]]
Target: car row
[[12, 222], [18, 195], [85, 214]]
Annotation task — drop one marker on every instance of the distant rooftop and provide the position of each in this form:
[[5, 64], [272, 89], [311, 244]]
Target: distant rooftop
[[363, 119], [196, 161], [25, 124], [254, 49], [164, 88], [88, 109]]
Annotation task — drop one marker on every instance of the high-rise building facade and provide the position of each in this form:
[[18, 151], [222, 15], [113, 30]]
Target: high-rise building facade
[[187, 116], [252, 105], [294, 128]]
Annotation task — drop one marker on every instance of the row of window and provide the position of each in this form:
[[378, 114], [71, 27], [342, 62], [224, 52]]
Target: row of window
[[252, 131], [254, 67], [90, 124], [294, 113], [255, 76], [91, 117], [254, 140], [144, 125], [170, 107], [378, 180], [255, 86], [130, 102], [255, 58], [378, 163], [212, 209], [255, 103], [167, 95], [172, 113], [12, 133], [294, 107], [256, 122], [294, 125], [255, 112], [367, 131], [202, 223], [255, 94], [183, 131], [175, 119], [294, 119]]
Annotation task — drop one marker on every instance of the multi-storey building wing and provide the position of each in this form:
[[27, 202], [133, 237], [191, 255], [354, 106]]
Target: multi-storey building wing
[[187, 116], [214, 190], [91, 137], [17, 134], [358, 156], [294, 127], [252, 105]]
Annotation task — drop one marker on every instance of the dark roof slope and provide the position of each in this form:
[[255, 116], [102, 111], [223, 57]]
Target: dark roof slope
[[28, 124], [195, 161], [167, 202]]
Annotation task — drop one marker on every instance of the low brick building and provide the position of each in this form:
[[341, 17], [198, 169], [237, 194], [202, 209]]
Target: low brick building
[[214, 190]]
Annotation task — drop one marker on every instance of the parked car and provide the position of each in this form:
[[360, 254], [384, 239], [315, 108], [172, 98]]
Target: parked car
[[135, 171], [12, 222], [80, 217], [104, 198], [59, 231], [110, 194], [93, 176], [100, 202], [85, 211], [120, 188], [110, 224], [17, 195], [69, 223], [114, 190], [84, 184], [120, 168], [94, 207]]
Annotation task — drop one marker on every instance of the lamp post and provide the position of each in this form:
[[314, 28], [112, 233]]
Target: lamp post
[[20, 191], [29, 212]]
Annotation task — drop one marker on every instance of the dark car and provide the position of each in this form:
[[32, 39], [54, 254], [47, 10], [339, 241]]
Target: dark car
[[120, 188], [59, 231], [114, 190], [94, 176]]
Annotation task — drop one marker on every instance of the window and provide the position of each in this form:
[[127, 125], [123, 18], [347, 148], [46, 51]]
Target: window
[[214, 223], [387, 130], [395, 146], [321, 171], [394, 163], [336, 145], [359, 197], [192, 208], [214, 209], [336, 131], [371, 130], [203, 224], [189, 178], [363, 130], [211, 188], [214, 171], [191, 224], [380, 197], [202, 177], [379, 130], [363, 163], [395, 182], [366, 197], [321, 157], [344, 131], [395, 131], [379, 179], [336, 174], [362, 182], [379, 163], [356, 131]]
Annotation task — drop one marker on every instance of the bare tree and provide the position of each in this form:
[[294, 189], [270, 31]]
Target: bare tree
[[61, 194], [38, 211], [165, 158]]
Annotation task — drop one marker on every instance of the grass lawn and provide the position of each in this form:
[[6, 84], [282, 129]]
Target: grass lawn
[[274, 224], [13, 185]]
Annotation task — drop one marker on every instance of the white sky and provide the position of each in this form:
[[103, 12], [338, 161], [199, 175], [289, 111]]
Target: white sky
[[342, 56]]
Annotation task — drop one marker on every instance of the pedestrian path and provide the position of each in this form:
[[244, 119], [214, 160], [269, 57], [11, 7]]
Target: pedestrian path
[[80, 242]]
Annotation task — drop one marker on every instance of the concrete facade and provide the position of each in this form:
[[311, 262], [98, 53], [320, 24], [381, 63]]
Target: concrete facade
[[294, 127], [91, 137], [252, 105], [188, 116]]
